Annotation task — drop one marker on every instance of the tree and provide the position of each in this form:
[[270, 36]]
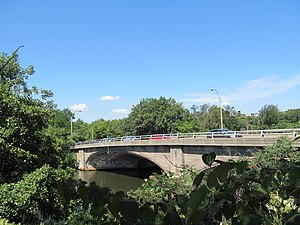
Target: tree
[[201, 114], [231, 118], [80, 130], [59, 130], [36, 195], [268, 116], [161, 115], [106, 128], [24, 115], [291, 116]]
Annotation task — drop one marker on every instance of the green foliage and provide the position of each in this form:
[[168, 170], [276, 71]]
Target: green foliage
[[24, 115], [280, 154], [208, 117], [237, 193], [5, 222], [164, 195], [59, 130], [268, 116], [291, 116], [167, 116], [209, 159], [164, 187], [32, 144], [106, 128], [37, 192], [161, 115]]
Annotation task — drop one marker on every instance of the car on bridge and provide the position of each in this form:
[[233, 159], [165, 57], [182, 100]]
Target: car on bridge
[[163, 136], [131, 138], [108, 139], [223, 133]]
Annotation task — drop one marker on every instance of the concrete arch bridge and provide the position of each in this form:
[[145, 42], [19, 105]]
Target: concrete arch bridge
[[171, 152]]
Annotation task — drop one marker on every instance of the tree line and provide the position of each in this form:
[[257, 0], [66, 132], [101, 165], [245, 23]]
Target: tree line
[[162, 116]]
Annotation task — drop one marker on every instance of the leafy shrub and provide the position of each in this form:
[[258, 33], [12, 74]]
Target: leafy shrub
[[165, 187], [37, 192]]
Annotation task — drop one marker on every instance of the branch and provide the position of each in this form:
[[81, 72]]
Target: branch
[[13, 55]]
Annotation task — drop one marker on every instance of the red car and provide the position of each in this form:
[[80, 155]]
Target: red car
[[163, 136], [156, 137]]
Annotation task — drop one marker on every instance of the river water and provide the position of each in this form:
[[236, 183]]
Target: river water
[[115, 180]]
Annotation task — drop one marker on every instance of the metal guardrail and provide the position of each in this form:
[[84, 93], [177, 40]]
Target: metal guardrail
[[245, 134]]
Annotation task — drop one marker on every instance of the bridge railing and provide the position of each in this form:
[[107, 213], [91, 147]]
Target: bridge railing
[[245, 133]]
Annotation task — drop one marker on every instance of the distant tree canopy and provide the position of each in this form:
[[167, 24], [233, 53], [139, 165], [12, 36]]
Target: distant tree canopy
[[106, 128], [161, 115], [268, 116]]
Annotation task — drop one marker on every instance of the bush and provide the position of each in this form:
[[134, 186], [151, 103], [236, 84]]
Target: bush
[[36, 193]]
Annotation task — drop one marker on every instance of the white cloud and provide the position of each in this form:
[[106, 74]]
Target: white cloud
[[226, 103], [109, 98], [79, 107], [251, 90], [120, 111], [200, 98], [264, 87]]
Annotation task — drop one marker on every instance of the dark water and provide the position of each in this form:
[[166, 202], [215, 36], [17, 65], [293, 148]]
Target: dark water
[[115, 181]]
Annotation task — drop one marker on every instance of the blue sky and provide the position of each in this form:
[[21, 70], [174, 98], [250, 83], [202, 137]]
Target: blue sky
[[103, 57]]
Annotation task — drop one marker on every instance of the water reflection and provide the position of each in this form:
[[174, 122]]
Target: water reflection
[[115, 181]]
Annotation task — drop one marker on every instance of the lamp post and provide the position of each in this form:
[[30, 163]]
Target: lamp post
[[72, 120], [212, 89]]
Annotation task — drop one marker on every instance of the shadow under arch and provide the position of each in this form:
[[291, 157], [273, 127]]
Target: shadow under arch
[[127, 163]]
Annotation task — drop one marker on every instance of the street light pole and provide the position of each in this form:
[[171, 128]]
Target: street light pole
[[72, 120], [221, 114]]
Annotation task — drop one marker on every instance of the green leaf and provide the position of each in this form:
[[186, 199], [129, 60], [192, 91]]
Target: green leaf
[[228, 210], [260, 194], [295, 175], [100, 196], [142, 223], [66, 190], [209, 158], [172, 217], [114, 205], [198, 179], [147, 213], [294, 220], [214, 211], [219, 174], [83, 192], [120, 194], [196, 200], [241, 166], [247, 216], [129, 210]]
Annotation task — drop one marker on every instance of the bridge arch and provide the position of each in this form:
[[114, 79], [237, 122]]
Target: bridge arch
[[162, 162], [121, 160]]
